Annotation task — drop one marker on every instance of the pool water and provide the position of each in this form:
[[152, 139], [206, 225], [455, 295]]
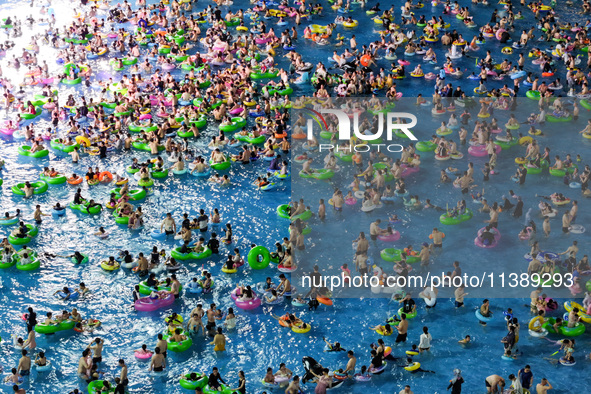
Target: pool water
[[259, 341], [329, 246], [366, 33], [334, 236]]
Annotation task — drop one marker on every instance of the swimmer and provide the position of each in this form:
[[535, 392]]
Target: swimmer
[[494, 384], [333, 347], [410, 362], [385, 329]]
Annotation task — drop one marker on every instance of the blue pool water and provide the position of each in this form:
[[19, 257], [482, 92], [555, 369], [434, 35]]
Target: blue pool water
[[341, 228], [259, 342], [329, 246]]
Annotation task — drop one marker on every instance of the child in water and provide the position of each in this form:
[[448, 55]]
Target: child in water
[[333, 347]]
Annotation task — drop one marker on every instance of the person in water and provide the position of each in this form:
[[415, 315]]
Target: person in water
[[333, 347]]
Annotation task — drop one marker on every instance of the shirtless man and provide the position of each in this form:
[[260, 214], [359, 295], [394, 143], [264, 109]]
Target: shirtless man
[[571, 251], [284, 285], [402, 329], [494, 218], [465, 182], [123, 376], [211, 316], [375, 230], [350, 369], [362, 244], [97, 347], [566, 222], [142, 264], [424, 254], [337, 201], [162, 345], [158, 362], [199, 166], [494, 384], [24, 364], [459, 294], [175, 286], [168, 225], [543, 387], [437, 237], [534, 266]]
